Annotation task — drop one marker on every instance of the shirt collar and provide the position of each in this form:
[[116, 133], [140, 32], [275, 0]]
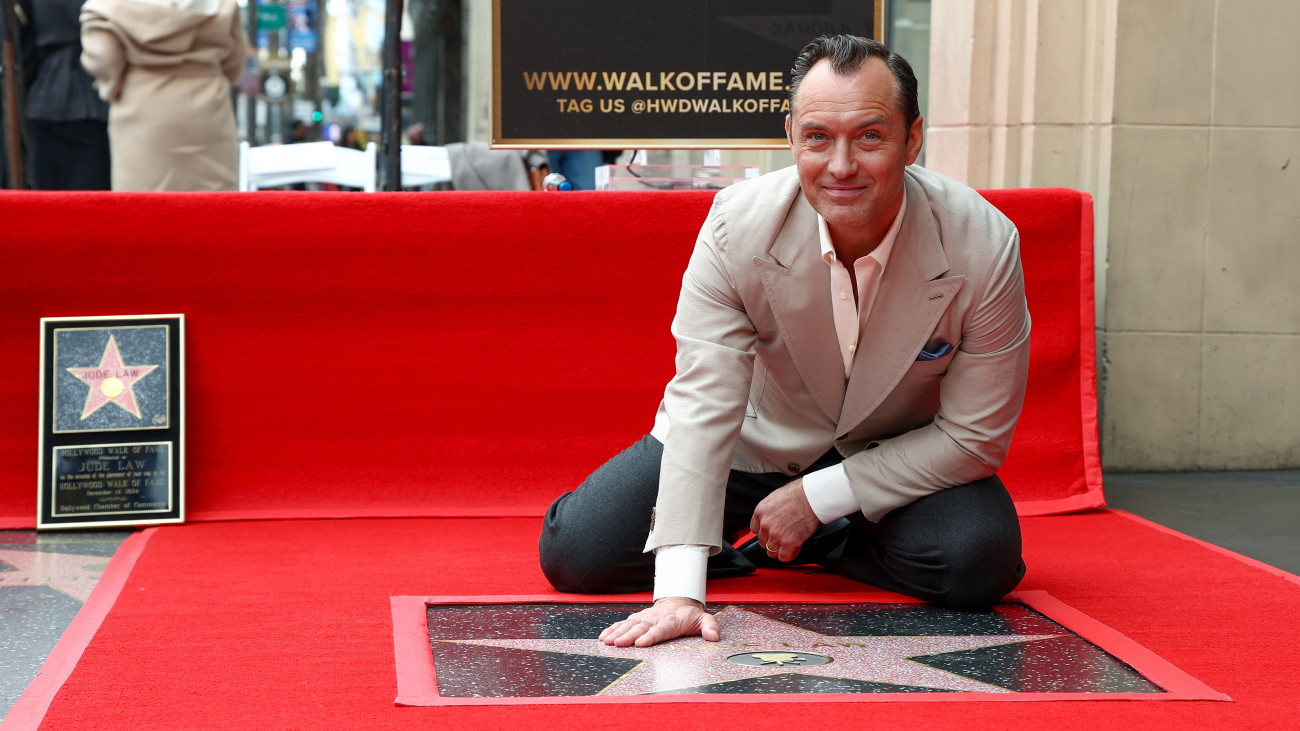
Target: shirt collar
[[880, 253]]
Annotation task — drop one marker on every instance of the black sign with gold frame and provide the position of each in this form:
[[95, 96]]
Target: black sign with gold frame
[[616, 74], [111, 421]]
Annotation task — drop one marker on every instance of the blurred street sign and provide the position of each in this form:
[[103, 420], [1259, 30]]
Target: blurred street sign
[[302, 25], [271, 17]]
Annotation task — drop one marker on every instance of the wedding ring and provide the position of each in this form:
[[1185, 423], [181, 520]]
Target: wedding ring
[[772, 550]]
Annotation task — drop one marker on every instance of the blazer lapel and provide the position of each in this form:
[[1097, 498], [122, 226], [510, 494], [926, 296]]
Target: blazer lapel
[[908, 305], [797, 283]]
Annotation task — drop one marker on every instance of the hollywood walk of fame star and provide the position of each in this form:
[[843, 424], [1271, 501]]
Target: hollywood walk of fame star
[[775, 648], [72, 574], [111, 381]]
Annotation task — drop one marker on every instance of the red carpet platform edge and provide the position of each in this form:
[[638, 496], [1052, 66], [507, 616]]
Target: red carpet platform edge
[[288, 624], [1286, 575]]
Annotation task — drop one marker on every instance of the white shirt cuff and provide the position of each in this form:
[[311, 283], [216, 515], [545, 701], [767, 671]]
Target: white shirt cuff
[[681, 571], [829, 494]]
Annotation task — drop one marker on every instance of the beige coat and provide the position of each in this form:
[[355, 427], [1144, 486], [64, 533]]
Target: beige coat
[[760, 383], [165, 67]]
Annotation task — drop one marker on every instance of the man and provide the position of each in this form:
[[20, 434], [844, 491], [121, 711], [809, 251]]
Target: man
[[852, 348], [67, 128]]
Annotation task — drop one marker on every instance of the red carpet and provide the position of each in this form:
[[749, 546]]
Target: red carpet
[[375, 355], [287, 625], [394, 355]]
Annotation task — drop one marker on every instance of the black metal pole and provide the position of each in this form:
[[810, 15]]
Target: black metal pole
[[312, 72], [12, 113], [250, 109], [390, 137]]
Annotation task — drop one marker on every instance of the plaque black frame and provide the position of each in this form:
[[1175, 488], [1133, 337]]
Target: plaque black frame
[[127, 453], [670, 37]]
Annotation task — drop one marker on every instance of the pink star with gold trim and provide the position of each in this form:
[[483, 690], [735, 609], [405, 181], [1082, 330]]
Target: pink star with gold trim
[[755, 646], [111, 381], [74, 575]]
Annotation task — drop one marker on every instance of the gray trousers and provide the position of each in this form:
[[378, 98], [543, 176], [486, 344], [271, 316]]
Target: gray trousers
[[958, 547]]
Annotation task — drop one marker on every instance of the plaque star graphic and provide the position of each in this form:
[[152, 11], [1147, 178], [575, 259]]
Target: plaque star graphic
[[768, 647], [111, 381], [71, 574]]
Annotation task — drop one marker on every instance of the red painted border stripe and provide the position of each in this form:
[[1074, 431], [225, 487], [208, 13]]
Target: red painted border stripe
[[1178, 684], [416, 675], [29, 710]]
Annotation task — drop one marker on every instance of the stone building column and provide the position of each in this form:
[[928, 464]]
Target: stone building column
[[1182, 118]]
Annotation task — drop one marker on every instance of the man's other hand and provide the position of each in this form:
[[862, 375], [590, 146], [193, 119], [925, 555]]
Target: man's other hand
[[669, 618], [783, 521]]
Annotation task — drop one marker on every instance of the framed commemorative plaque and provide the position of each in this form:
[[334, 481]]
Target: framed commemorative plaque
[[112, 421]]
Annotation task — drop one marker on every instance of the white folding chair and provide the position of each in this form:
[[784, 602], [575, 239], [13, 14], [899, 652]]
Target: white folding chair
[[425, 165], [272, 166]]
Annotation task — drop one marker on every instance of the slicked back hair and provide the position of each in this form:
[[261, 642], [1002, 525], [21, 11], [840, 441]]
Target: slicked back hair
[[847, 54]]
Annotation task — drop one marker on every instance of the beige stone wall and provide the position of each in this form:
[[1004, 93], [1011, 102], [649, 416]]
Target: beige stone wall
[[1182, 118]]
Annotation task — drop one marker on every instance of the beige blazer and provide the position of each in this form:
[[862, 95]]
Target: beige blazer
[[760, 383]]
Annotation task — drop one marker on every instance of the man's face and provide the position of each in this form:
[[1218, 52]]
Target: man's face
[[850, 145]]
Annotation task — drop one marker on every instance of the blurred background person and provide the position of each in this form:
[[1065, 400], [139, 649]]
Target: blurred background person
[[166, 67], [414, 134], [579, 166], [354, 138], [67, 122]]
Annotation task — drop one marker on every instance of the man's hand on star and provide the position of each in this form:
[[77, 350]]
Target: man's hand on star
[[783, 521], [667, 619]]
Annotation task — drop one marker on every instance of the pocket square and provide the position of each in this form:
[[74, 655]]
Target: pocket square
[[934, 350]]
